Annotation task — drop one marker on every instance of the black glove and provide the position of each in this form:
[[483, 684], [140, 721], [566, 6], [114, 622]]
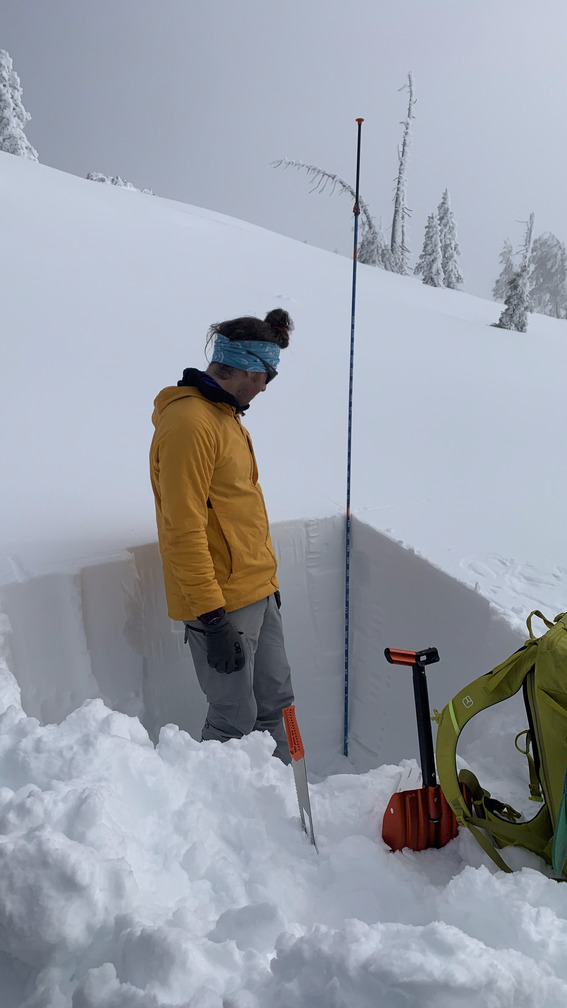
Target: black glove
[[224, 647]]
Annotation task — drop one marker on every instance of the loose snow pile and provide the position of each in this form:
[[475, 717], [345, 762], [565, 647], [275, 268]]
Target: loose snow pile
[[139, 867], [134, 875]]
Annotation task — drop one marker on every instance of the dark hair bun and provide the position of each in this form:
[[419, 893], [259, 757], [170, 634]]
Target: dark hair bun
[[281, 325], [275, 328]]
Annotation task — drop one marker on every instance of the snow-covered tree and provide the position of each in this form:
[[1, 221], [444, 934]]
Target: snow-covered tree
[[517, 300], [399, 245], [369, 248], [548, 276], [116, 181], [373, 249], [515, 314], [429, 264], [13, 116], [503, 280], [450, 250]]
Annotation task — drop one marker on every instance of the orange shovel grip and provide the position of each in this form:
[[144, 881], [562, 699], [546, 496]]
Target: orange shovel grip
[[294, 741], [398, 657]]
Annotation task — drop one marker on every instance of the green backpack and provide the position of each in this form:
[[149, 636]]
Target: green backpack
[[540, 669]]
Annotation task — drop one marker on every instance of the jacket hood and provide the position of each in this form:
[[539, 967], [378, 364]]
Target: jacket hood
[[193, 383], [167, 396]]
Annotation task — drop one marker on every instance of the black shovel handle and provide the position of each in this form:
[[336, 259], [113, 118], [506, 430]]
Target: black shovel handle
[[418, 660]]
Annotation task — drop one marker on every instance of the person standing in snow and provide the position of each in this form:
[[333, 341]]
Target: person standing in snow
[[218, 562]]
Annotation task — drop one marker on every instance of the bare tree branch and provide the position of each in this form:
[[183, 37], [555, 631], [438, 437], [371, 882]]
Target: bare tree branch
[[321, 179]]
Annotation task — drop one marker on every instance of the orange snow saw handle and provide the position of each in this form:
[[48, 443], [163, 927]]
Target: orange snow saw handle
[[294, 741]]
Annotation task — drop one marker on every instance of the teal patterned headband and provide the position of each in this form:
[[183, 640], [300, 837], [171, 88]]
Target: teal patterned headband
[[245, 354]]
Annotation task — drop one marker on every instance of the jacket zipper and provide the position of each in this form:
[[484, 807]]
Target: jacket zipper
[[250, 449]]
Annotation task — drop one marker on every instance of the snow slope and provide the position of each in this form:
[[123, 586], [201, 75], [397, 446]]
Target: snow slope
[[151, 870], [108, 295]]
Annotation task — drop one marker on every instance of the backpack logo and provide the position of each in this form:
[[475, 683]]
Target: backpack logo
[[468, 702]]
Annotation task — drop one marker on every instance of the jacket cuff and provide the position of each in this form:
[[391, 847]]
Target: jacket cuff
[[214, 614]]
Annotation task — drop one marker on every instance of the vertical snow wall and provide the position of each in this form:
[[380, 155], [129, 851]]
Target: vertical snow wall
[[104, 631]]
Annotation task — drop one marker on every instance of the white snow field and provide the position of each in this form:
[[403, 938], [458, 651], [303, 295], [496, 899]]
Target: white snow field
[[138, 867]]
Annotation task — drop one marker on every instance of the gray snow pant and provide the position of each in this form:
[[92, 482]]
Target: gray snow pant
[[252, 699]]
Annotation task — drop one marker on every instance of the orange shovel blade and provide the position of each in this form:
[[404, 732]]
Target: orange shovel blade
[[418, 819]]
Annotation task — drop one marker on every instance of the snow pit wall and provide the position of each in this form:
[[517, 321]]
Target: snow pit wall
[[104, 632]]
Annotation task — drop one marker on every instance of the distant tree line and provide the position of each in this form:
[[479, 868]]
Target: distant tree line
[[545, 275], [537, 282], [438, 263], [534, 280]]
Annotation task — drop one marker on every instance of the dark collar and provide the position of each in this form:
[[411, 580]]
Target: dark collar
[[209, 388]]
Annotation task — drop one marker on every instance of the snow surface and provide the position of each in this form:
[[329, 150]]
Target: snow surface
[[139, 867]]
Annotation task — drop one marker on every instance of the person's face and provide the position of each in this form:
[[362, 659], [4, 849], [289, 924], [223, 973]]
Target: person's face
[[252, 382]]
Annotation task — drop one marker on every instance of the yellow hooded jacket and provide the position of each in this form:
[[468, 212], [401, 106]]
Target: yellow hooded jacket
[[213, 530]]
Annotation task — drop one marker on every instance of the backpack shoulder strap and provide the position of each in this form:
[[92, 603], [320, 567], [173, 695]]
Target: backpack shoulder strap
[[500, 684], [548, 623], [494, 823]]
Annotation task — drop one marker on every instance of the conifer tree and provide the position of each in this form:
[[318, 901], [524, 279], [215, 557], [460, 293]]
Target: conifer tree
[[502, 281], [373, 249], [548, 276], [429, 264], [515, 314], [450, 250], [368, 248], [13, 116]]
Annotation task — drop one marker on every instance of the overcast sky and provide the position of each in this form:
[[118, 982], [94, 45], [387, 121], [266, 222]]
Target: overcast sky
[[195, 98]]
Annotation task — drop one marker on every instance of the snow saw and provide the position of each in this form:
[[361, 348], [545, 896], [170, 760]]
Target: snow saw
[[297, 753]]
